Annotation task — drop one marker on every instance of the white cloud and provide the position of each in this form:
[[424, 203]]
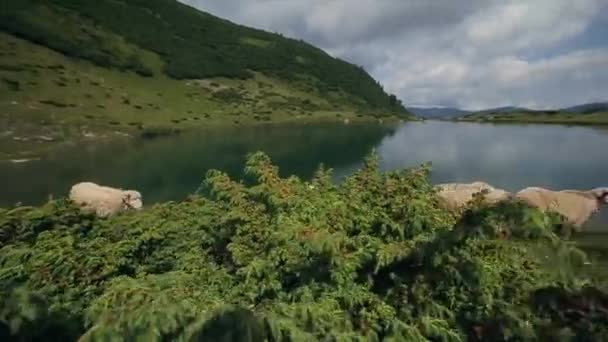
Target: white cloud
[[473, 54], [579, 76], [523, 24]]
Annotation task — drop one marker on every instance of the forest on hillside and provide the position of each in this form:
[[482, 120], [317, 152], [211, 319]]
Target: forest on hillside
[[191, 44]]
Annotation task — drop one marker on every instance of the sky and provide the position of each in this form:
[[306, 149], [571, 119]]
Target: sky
[[470, 54]]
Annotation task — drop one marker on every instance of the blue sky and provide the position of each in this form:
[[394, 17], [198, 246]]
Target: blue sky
[[471, 54]]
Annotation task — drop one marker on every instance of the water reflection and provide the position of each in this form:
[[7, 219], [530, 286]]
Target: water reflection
[[170, 168], [508, 156]]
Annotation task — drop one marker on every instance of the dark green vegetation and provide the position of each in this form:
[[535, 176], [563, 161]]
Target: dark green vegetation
[[191, 43], [71, 68], [374, 258], [595, 113], [590, 114], [541, 117]]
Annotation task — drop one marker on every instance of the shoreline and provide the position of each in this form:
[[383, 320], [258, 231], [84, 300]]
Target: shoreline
[[566, 122], [43, 148]]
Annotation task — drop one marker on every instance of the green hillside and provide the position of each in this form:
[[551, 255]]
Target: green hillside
[[585, 114], [87, 69], [540, 116], [192, 44]]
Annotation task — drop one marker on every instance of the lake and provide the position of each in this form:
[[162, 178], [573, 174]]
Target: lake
[[507, 156]]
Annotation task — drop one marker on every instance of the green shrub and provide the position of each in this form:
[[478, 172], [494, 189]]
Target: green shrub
[[55, 103], [12, 84], [228, 95], [374, 257]]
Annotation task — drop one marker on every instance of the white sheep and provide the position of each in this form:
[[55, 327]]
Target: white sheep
[[104, 201], [455, 196], [576, 206]]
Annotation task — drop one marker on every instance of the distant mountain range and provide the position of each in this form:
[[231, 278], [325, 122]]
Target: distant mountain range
[[507, 109], [450, 112], [588, 108], [437, 112]]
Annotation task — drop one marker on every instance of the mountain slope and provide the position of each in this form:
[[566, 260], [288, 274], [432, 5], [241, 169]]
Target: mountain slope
[[68, 73], [191, 44], [503, 110], [588, 108]]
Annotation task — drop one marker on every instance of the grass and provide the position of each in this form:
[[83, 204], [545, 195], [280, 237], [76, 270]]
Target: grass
[[256, 42], [559, 117], [44, 94]]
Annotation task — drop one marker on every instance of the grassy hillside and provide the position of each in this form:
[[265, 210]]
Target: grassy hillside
[[191, 44], [85, 69]]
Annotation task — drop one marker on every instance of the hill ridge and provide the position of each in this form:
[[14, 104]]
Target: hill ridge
[[180, 35], [442, 112]]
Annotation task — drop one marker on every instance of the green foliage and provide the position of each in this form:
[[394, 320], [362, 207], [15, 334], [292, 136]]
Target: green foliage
[[26, 317], [580, 315], [192, 44], [24, 224], [228, 95], [12, 84], [280, 259], [76, 37]]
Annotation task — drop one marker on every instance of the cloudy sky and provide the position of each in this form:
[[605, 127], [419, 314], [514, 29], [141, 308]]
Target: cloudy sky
[[471, 54]]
